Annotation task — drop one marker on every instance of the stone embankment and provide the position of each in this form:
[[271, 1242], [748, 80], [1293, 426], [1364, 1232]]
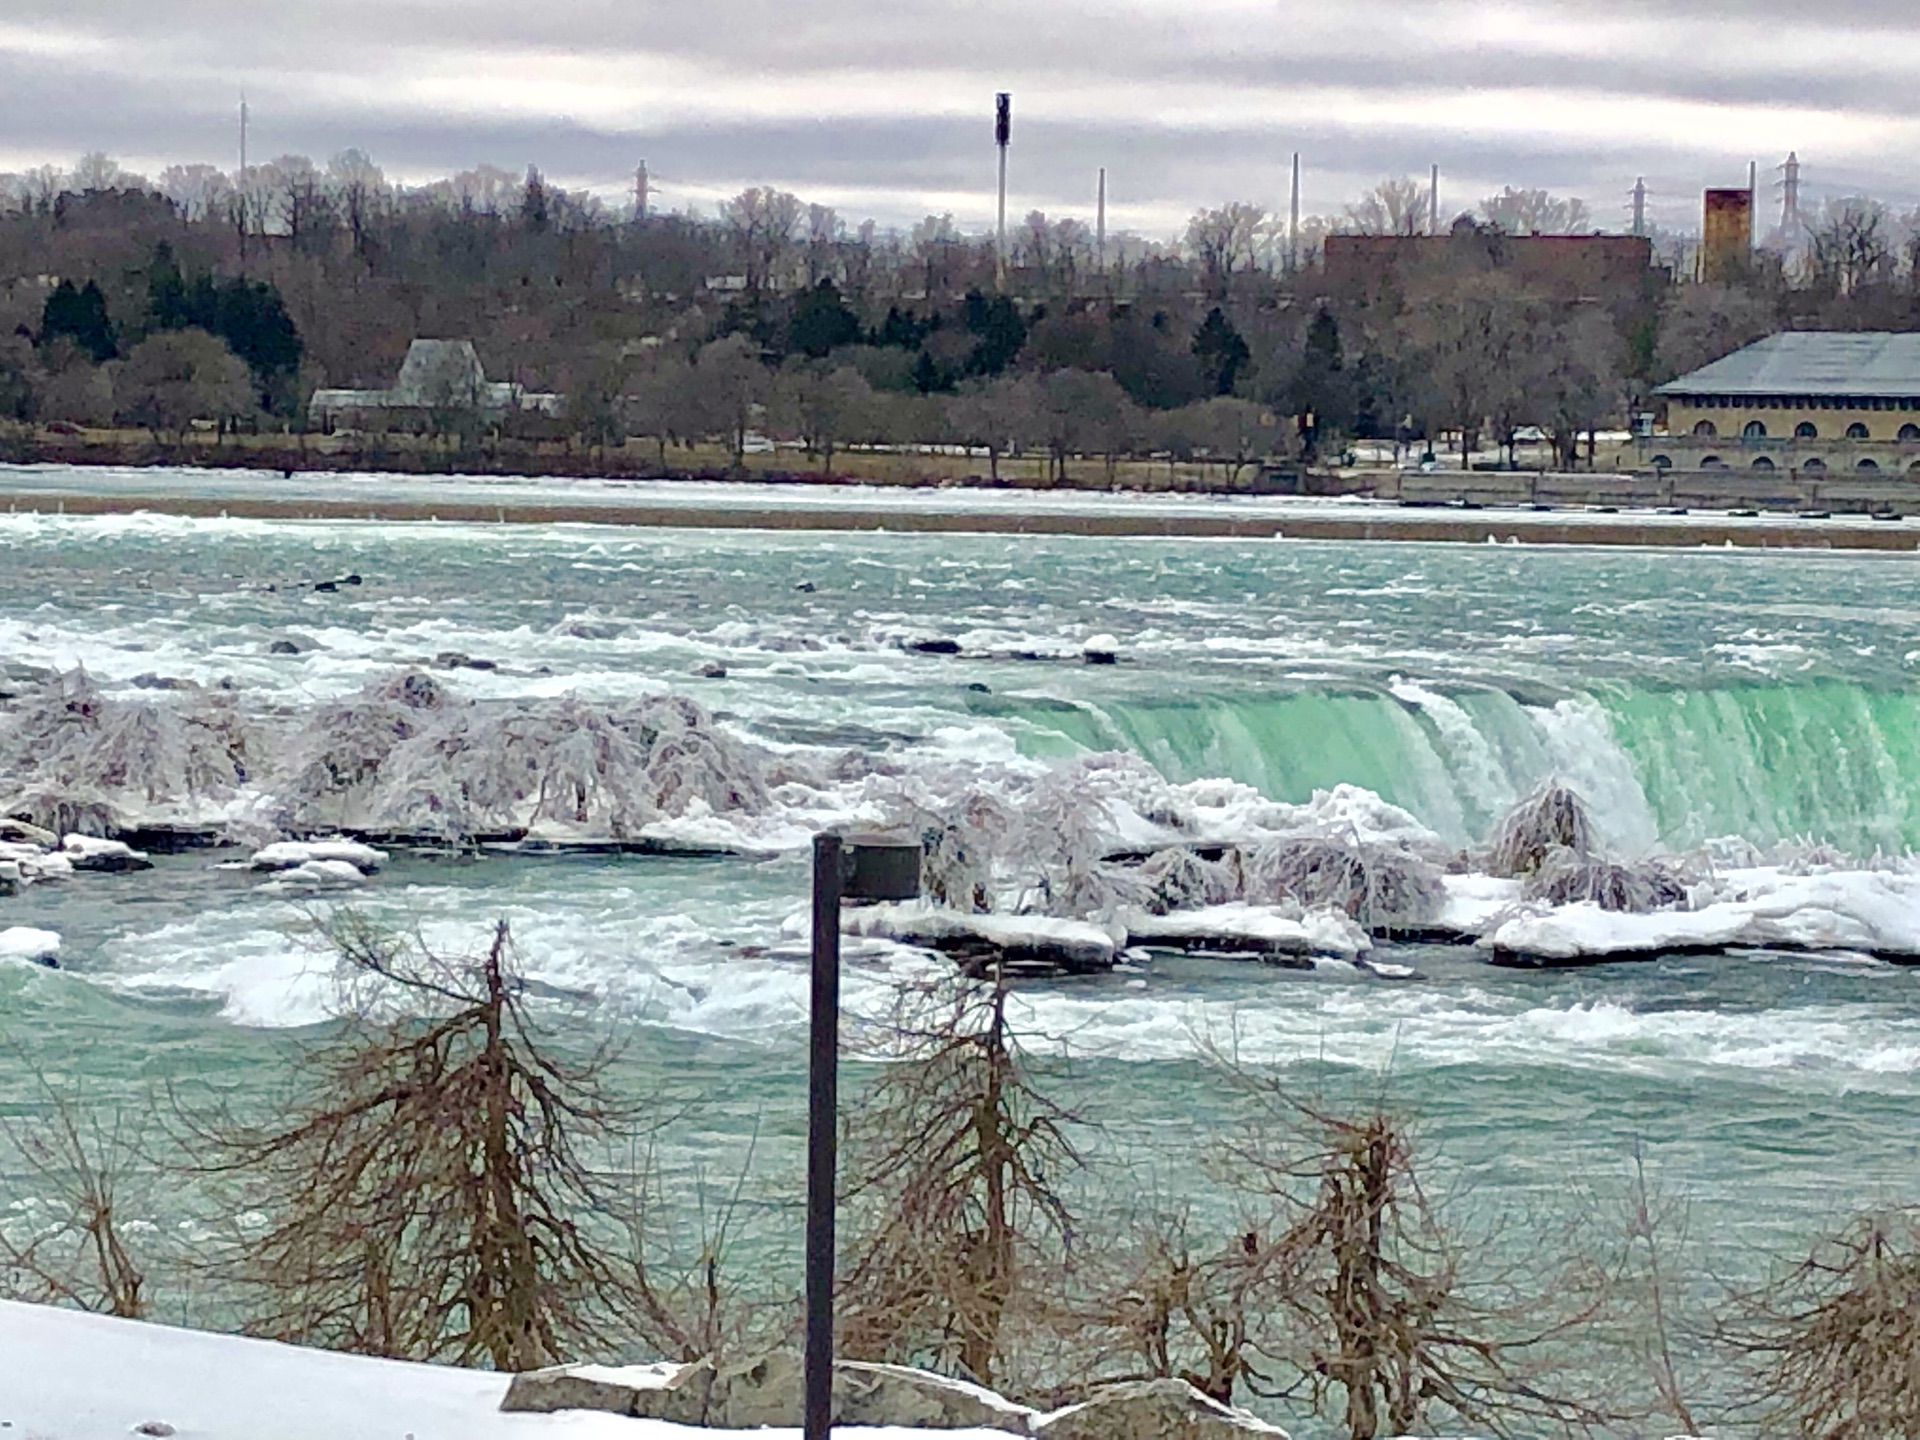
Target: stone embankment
[[767, 1392]]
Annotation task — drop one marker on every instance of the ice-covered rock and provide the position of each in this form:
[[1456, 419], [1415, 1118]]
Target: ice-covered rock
[[88, 852], [1876, 912], [979, 942], [35, 947], [319, 875], [1265, 930], [1153, 1410], [289, 854]]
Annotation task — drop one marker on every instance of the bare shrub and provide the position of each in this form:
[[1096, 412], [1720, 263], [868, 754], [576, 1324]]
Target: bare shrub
[[427, 1187], [1554, 816], [959, 1227], [1831, 1346], [1384, 887], [72, 1248], [1566, 877], [1178, 879]]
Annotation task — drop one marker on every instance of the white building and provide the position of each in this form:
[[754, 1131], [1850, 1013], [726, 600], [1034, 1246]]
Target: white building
[[439, 378]]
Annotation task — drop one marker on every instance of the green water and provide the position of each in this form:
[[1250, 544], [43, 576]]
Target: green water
[[1689, 694]]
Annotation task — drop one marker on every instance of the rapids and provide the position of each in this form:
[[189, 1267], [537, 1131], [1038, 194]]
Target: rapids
[[1689, 695]]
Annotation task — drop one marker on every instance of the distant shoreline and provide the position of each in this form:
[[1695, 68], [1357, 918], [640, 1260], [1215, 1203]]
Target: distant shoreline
[[933, 512]]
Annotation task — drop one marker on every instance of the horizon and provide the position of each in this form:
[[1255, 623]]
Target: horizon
[[843, 107]]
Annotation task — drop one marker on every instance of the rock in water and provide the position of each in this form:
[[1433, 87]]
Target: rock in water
[[1153, 1410], [710, 670], [85, 852], [283, 647], [1101, 650], [289, 854], [36, 947]]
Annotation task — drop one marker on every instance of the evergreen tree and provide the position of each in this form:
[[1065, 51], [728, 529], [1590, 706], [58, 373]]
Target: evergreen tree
[[821, 322], [1221, 351], [79, 315], [1000, 332]]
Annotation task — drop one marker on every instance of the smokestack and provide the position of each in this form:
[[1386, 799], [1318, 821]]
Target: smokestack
[[1100, 226], [1790, 195], [640, 194], [1293, 220], [1433, 204], [1753, 199], [1640, 206], [1002, 136]]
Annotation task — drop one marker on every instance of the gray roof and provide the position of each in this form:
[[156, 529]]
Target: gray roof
[[1812, 363]]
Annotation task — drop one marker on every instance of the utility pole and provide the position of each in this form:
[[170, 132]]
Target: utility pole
[[1293, 220], [1433, 204], [240, 183], [1002, 135], [1640, 206], [1100, 226], [640, 195]]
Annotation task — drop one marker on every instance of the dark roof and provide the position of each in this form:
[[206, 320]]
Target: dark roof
[[1812, 363]]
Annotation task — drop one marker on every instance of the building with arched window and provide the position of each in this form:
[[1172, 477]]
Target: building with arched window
[[1812, 401]]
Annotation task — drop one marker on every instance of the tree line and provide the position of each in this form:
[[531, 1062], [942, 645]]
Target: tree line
[[1230, 342]]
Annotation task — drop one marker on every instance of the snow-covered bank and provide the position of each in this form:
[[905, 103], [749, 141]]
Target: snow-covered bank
[[71, 1376], [1873, 912]]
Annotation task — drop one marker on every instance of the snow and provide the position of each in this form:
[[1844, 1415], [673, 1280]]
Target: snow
[[72, 1376], [88, 849], [1274, 929], [318, 874], [289, 854], [22, 943], [1475, 902], [918, 923], [1877, 912]]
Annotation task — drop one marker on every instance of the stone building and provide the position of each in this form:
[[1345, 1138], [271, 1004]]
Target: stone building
[[440, 381], [1617, 271], [1808, 401]]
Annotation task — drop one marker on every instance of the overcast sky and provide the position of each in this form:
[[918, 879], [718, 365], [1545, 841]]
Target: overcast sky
[[883, 107]]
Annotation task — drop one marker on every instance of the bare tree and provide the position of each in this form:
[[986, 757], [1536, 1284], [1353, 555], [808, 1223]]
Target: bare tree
[[730, 381], [1702, 323], [197, 191], [1536, 212], [76, 1251], [1850, 246], [176, 377], [97, 170], [824, 404], [996, 415], [762, 222], [959, 1222], [1224, 240], [1397, 206], [1832, 1345], [1470, 335], [427, 1186]]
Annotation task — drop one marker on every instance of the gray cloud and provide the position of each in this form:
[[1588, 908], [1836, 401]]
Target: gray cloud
[[882, 106]]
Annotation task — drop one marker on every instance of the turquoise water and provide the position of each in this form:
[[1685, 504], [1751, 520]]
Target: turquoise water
[[1690, 694]]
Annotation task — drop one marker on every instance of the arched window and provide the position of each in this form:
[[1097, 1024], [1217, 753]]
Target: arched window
[[1665, 462], [1909, 433], [1857, 431], [1815, 467], [1867, 465], [1706, 429], [1761, 462], [1806, 430], [1754, 430], [1713, 462]]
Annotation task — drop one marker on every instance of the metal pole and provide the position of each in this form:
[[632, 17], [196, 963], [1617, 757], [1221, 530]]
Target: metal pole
[[1100, 226], [1000, 251], [823, 1076], [1293, 219]]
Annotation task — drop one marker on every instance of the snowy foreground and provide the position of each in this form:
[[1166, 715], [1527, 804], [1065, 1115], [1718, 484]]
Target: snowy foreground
[[70, 1376]]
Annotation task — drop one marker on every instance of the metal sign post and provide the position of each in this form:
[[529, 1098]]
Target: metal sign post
[[858, 868]]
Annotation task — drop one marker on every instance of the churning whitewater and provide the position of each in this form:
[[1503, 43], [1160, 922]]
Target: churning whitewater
[[1316, 794]]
